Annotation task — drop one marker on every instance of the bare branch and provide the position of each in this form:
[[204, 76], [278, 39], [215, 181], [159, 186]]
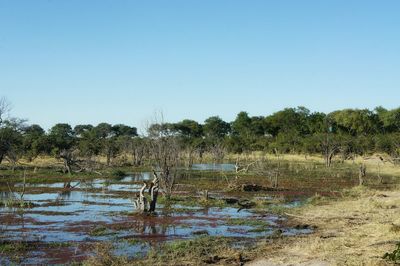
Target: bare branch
[[5, 108]]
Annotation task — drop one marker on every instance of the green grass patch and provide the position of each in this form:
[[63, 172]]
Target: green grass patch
[[13, 247], [194, 250], [100, 231], [58, 244], [135, 241], [15, 203]]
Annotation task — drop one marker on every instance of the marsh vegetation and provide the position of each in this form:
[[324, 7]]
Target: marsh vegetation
[[188, 193]]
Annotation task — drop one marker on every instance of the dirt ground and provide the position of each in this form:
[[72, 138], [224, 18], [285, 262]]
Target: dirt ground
[[357, 229]]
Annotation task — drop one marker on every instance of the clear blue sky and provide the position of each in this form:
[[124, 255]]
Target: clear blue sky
[[117, 61]]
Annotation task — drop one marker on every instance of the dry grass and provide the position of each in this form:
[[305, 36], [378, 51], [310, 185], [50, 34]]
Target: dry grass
[[373, 162], [356, 230]]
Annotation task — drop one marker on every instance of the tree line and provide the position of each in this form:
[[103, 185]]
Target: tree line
[[346, 133]]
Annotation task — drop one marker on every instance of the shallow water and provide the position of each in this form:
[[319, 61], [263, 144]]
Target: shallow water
[[100, 211], [214, 167]]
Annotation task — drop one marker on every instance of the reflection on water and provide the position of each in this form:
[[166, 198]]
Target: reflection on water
[[70, 211], [214, 167], [136, 177]]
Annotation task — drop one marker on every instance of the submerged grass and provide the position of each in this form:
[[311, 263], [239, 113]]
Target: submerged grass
[[13, 247], [100, 231]]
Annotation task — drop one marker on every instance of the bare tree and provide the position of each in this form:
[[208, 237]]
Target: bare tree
[[217, 151], [4, 144], [5, 107], [165, 152], [153, 190], [192, 152], [243, 168], [331, 145], [329, 149], [72, 163], [138, 148], [141, 203], [269, 170], [68, 157], [395, 155]]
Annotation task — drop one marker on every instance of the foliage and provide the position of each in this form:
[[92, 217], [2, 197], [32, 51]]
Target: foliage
[[344, 133], [394, 255]]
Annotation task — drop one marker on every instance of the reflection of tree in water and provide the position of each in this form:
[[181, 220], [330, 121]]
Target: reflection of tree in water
[[143, 176], [22, 224], [6, 195], [65, 194], [205, 211], [18, 219], [150, 227]]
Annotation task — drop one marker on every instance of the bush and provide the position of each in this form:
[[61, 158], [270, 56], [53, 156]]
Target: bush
[[118, 173], [395, 255]]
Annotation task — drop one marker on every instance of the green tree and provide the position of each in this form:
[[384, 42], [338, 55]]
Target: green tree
[[389, 119], [107, 138], [10, 141], [62, 139], [35, 141], [216, 128], [89, 141], [355, 121], [124, 130], [190, 135]]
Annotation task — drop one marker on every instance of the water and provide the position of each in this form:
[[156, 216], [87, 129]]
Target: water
[[214, 167], [103, 211]]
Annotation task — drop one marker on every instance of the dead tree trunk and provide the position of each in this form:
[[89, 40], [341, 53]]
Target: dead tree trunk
[[205, 195], [328, 157], [275, 176], [141, 203], [154, 192], [275, 180], [190, 157], [66, 156], [108, 158], [361, 174], [137, 156], [67, 185]]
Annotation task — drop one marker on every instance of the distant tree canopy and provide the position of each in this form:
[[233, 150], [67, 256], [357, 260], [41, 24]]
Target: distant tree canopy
[[346, 132]]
